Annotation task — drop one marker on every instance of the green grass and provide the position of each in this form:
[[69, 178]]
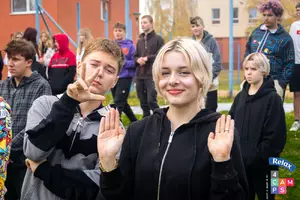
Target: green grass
[[291, 153]]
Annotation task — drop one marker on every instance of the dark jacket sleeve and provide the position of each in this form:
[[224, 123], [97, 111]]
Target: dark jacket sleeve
[[288, 62], [68, 184], [137, 53], [130, 61], [44, 130], [274, 133], [69, 78], [217, 58], [160, 43], [228, 179], [1, 65], [119, 183]]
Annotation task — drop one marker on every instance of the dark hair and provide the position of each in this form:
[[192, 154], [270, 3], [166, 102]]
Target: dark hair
[[298, 5], [22, 47], [120, 26], [30, 35], [273, 5], [149, 17], [196, 21]]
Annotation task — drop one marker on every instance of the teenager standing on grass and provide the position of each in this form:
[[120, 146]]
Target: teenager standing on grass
[[260, 120], [122, 89], [66, 166], [147, 48], [211, 45], [180, 152]]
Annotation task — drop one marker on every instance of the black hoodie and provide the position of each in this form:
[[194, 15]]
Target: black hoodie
[[260, 121], [188, 171]]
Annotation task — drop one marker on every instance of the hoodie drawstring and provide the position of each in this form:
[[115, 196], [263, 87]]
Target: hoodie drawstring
[[263, 42]]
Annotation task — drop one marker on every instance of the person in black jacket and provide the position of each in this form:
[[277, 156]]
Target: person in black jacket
[[146, 49], [1, 65], [260, 121], [180, 152]]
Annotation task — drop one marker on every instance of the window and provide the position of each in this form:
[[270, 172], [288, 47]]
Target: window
[[216, 15], [235, 15], [104, 10], [23, 6], [252, 15]]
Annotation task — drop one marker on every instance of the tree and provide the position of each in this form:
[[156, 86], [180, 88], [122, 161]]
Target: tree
[[171, 17]]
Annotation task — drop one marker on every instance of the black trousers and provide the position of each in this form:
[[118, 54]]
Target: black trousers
[[120, 93], [257, 180], [212, 100], [147, 95], [15, 175]]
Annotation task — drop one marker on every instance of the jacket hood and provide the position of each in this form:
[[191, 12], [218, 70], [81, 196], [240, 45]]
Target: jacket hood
[[277, 31], [63, 42], [266, 88], [205, 116], [27, 80], [206, 36]]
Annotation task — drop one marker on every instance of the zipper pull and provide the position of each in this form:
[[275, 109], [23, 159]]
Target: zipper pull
[[171, 137]]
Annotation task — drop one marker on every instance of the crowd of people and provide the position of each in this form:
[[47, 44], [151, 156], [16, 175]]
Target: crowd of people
[[59, 141]]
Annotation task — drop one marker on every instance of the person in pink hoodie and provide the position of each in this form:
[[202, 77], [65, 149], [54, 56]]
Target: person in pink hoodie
[[62, 66]]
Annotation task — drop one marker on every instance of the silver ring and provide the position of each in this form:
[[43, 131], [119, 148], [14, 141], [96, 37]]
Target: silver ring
[[226, 129]]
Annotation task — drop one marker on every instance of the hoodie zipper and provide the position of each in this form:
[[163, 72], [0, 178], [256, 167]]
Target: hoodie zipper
[[162, 163], [79, 123]]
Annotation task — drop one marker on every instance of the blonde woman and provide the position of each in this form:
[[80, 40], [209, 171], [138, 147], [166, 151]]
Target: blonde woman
[[260, 121], [85, 36], [180, 152], [45, 42]]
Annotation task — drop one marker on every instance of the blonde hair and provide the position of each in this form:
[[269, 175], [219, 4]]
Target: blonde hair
[[198, 60], [108, 46], [15, 34], [48, 43], [260, 61], [87, 33]]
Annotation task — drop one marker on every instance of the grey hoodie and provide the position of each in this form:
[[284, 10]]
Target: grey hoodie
[[212, 47], [56, 132]]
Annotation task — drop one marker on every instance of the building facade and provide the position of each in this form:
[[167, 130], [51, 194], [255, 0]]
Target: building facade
[[216, 13], [17, 15]]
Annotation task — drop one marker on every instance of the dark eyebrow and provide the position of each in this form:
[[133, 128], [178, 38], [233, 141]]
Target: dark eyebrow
[[181, 67]]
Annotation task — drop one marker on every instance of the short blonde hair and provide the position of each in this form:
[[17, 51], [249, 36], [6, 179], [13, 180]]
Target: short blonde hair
[[260, 61], [198, 59]]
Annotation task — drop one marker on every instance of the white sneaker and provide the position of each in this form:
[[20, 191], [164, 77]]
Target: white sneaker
[[295, 126]]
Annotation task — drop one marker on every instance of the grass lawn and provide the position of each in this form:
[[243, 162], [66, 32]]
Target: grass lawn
[[291, 153]]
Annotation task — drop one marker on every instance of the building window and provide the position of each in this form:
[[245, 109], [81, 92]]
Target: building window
[[235, 15], [104, 10], [252, 15], [216, 15], [23, 6]]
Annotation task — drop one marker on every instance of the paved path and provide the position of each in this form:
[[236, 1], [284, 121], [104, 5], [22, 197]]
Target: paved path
[[288, 107]]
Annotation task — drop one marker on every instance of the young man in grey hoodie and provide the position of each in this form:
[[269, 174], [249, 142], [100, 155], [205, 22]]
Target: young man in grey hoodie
[[210, 43]]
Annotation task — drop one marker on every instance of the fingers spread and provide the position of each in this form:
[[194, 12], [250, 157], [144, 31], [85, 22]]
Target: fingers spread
[[107, 120], [112, 118], [83, 71], [96, 97], [81, 85], [227, 125], [90, 79]]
